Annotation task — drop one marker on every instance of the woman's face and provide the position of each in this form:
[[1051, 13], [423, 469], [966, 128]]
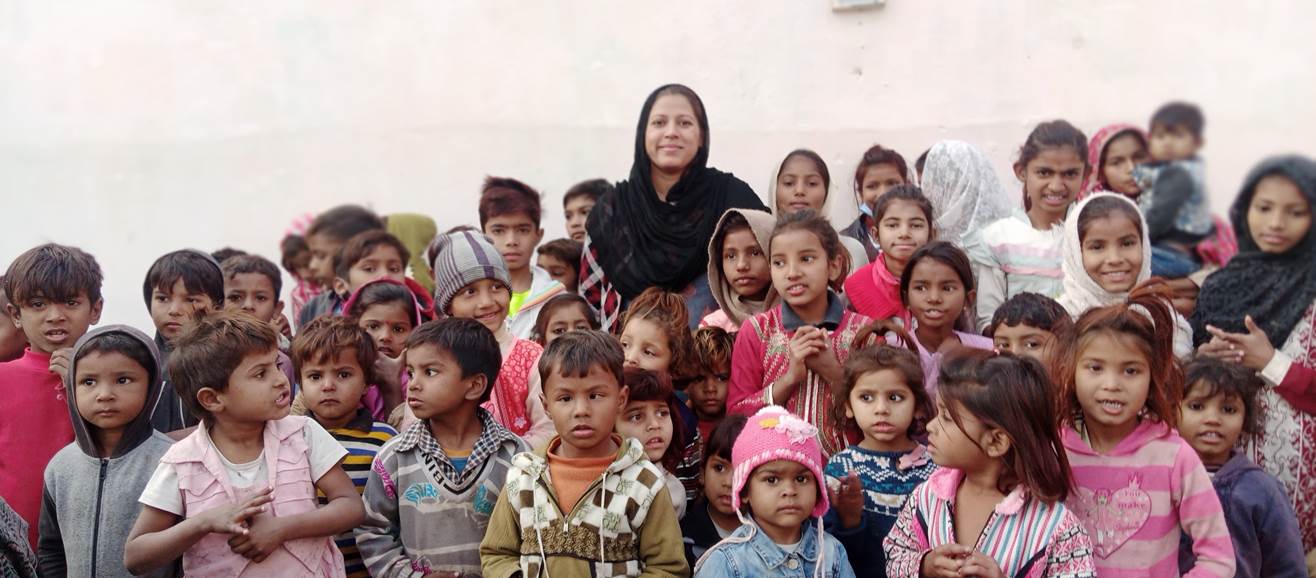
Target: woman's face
[[672, 136]]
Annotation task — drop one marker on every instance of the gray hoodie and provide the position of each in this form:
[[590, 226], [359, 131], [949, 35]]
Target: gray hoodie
[[89, 503]]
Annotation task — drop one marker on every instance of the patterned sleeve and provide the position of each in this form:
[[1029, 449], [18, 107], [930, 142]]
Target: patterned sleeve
[[379, 537], [1069, 555], [603, 300], [1201, 517], [745, 393], [907, 543]]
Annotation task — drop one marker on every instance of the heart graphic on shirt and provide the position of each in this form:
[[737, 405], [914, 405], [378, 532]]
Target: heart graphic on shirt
[[1112, 517]]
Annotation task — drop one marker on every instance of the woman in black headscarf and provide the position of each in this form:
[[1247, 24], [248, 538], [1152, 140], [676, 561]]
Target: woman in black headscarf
[[653, 230]]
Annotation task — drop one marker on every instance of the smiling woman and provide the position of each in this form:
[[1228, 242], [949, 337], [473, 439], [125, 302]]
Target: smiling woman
[[658, 222]]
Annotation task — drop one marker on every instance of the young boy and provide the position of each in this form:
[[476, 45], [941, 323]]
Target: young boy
[[1030, 325], [237, 495], [180, 288], [509, 216], [594, 505], [708, 393], [368, 256], [12, 340], [578, 202], [55, 295], [561, 258], [1219, 407], [333, 358], [432, 489], [113, 380], [253, 284], [1174, 190], [326, 237]]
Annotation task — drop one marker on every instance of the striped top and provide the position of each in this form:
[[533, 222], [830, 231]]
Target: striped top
[[1027, 538], [1140, 498], [362, 438], [1011, 257]]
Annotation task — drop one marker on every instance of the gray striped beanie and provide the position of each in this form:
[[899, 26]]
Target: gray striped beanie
[[460, 259]]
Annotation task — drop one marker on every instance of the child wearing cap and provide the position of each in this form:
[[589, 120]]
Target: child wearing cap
[[777, 487]]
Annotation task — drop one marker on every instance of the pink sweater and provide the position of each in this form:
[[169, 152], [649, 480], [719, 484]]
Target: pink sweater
[[1137, 500], [34, 425], [875, 292]]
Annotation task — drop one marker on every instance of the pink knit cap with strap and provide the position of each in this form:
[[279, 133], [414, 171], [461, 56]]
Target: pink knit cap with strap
[[773, 434]]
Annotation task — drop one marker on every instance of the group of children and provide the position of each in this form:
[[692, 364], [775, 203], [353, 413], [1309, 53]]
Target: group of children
[[942, 389]]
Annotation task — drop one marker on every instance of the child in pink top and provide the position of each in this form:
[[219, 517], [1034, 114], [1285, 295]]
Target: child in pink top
[[902, 222], [1138, 486]]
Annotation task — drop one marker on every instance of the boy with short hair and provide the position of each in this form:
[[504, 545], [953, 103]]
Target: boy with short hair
[[113, 379], [333, 360], [180, 288], [708, 393], [578, 202], [1173, 195], [325, 237], [253, 284], [371, 255], [432, 489], [55, 295], [509, 216], [561, 259], [1030, 325], [593, 503], [12, 340]]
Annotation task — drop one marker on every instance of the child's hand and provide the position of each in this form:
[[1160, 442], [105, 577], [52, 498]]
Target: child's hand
[[1252, 350], [261, 539], [803, 345], [824, 363], [944, 561], [233, 519], [282, 326], [979, 565], [848, 501], [59, 362]]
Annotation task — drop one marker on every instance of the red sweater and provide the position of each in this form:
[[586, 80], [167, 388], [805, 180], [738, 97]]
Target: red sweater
[[34, 424]]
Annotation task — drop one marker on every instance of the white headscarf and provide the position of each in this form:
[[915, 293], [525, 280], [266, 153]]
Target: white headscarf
[[855, 249], [966, 195]]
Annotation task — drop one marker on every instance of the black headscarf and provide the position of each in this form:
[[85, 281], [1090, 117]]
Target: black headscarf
[[1275, 289], [642, 241]]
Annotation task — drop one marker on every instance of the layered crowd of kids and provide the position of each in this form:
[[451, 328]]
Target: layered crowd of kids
[[1096, 376]]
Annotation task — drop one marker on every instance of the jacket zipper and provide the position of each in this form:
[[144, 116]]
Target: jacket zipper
[[96, 523]]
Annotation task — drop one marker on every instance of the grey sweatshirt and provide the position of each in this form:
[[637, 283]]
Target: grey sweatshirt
[[89, 503]]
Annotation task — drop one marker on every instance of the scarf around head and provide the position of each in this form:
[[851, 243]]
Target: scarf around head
[[643, 242], [1081, 291], [1275, 289], [771, 200], [738, 308], [1097, 149], [966, 196]]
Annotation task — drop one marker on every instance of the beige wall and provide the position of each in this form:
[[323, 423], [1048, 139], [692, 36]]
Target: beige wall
[[135, 127]]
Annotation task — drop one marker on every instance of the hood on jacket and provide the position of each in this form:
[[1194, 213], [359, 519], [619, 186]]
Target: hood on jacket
[[137, 430], [1147, 431], [737, 308]]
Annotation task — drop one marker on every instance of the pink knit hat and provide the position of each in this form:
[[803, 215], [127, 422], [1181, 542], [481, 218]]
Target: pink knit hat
[[774, 434]]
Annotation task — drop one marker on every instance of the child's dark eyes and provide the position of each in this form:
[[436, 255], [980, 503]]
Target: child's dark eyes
[[344, 375], [866, 398], [803, 479], [124, 380], [1195, 406], [719, 468]]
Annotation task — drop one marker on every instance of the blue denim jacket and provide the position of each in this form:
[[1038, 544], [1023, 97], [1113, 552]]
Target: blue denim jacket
[[760, 556]]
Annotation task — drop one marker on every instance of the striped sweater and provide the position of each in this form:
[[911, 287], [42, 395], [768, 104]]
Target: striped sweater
[[1011, 257], [362, 438], [1138, 499], [1027, 538]]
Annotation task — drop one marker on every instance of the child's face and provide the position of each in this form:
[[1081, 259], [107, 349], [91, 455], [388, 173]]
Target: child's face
[[801, 269], [953, 446], [332, 386], [564, 273], [12, 340], [172, 311], [901, 231], [879, 179], [110, 389], [257, 390], [782, 494], [744, 266], [484, 301], [883, 406], [382, 262], [1172, 143], [436, 387], [565, 320], [1122, 154], [323, 248], [1211, 424], [717, 485], [651, 423], [1279, 216], [253, 293], [645, 345], [1052, 181], [51, 325], [1111, 382], [1026, 341], [800, 186], [515, 236], [584, 410], [708, 396], [1112, 253], [936, 294], [389, 325], [301, 266], [577, 213]]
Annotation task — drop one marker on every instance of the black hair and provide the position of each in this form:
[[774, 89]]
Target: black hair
[[1103, 207], [246, 263], [818, 164], [1055, 134], [207, 354], [1228, 379], [593, 188], [470, 343], [564, 250], [556, 303], [344, 222], [810, 221], [920, 161], [54, 272], [1180, 114], [383, 292], [942, 252], [645, 385], [362, 245], [124, 344], [910, 193], [1033, 310], [723, 437], [294, 253], [226, 253], [200, 274], [577, 352], [506, 196]]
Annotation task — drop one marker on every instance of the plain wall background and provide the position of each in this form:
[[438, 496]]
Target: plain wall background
[[135, 127]]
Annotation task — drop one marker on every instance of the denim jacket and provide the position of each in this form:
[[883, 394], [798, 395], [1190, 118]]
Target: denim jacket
[[749, 553]]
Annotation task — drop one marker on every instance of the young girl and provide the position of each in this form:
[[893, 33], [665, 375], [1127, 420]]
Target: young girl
[[882, 397], [902, 222], [1023, 251], [1138, 486], [1264, 299], [562, 314], [803, 182], [880, 170], [937, 287], [711, 518], [997, 505], [1107, 255], [389, 311], [776, 489], [791, 354], [738, 268], [1112, 154], [649, 416], [959, 180]]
